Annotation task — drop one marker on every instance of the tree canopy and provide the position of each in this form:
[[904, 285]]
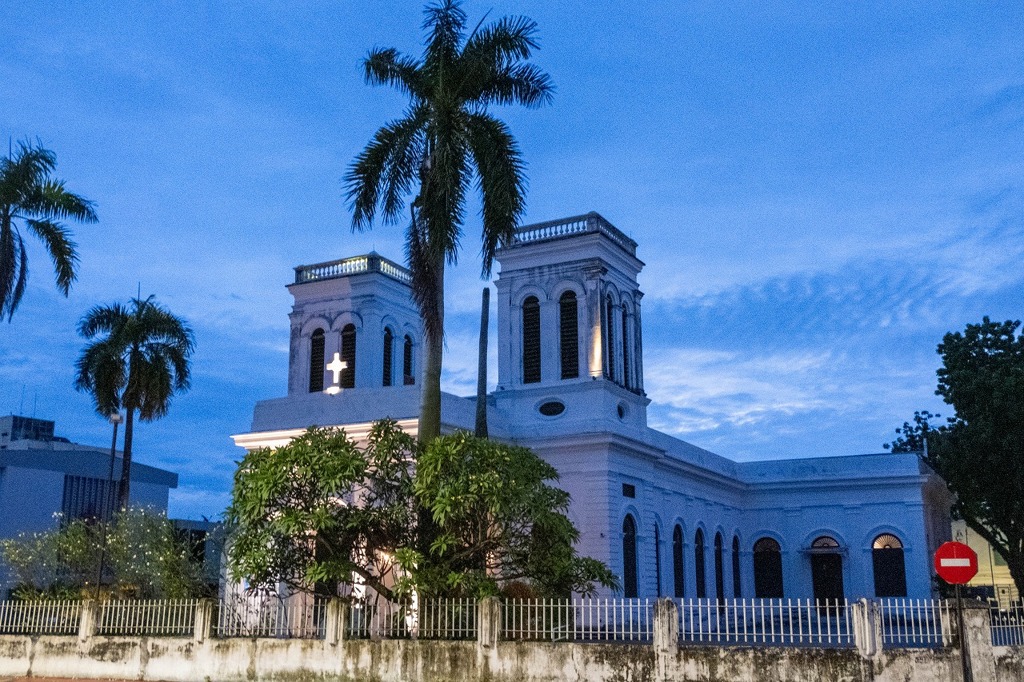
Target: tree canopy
[[979, 452], [322, 510]]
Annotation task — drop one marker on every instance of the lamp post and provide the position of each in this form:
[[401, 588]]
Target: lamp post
[[107, 511]]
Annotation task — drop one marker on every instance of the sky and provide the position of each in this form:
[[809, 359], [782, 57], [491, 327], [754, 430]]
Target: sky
[[819, 191]]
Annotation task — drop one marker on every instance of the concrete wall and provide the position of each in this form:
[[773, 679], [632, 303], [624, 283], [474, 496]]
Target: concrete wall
[[202, 657]]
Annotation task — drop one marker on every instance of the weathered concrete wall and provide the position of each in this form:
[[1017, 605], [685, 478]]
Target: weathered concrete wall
[[238, 660]]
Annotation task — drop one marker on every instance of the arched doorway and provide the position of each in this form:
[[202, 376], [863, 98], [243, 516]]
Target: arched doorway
[[827, 569], [889, 566], [629, 581], [767, 569]]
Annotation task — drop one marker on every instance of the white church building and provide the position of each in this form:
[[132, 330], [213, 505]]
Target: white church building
[[670, 518]]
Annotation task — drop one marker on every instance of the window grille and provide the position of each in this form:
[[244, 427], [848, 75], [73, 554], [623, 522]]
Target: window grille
[[569, 335], [531, 340]]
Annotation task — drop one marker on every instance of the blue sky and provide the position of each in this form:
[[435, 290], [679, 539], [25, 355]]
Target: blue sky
[[820, 191]]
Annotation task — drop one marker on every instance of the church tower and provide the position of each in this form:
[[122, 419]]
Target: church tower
[[359, 312], [569, 331]]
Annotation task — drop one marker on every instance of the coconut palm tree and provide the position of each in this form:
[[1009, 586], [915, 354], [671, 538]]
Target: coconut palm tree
[[444, 144], [137, 359], [29, 195]]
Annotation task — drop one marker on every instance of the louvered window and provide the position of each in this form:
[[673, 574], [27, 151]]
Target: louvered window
[[625, 349], [609, 325], [657, 559], [389, 351], [737, 585], [87, 498], [569, 335], [408, 378], [348, 356], [531, 340], [677, 561], [316, 361]]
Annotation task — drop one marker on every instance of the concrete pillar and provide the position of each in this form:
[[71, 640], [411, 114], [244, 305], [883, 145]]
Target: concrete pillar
[[336, 618], [666, 637], [867, 628], [488, 629], [977, 641], [89, 620], [202, 627]]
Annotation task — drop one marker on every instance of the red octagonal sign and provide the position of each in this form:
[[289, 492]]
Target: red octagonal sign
[[956, 563]]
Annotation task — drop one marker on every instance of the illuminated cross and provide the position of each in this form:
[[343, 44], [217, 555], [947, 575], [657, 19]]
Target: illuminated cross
[[336, 366]]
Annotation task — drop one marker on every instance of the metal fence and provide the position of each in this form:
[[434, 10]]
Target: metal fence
[[166, 618], [426, 619], [1007, 623], [270, 616], [916, 623], [40, 617], [772, 622], [578, 620], [447, 619]]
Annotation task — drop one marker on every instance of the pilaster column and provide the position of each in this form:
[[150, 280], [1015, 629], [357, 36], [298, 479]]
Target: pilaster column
[[593, 332]]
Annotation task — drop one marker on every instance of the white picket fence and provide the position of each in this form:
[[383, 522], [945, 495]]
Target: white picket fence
[[164, 618], [40, 617], [578, 620], [770, 622]]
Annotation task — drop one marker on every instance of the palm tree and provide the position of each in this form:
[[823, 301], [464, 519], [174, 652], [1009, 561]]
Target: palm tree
[[31, 196], [138, 360], [446, 142]]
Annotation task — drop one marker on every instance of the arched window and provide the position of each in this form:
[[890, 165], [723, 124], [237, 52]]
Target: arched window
[[629, 581], [699, 568], [737, 585], [677, 561], [889, 566], [767, 569], [348, 356], [531, 340], [408, 378], [625, 349], [389, 351], [719, 567], [569, 335], [657, 559], [609, 327], [316, 361], [826, 570]]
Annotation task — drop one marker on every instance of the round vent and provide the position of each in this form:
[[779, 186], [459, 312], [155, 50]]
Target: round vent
[[552, 408]]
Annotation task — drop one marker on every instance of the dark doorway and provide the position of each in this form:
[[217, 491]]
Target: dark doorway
[[629, 581], [889, 568], [826, 569], [767, 569]]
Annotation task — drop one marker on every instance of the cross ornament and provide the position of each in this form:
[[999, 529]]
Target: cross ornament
[[335, 367]]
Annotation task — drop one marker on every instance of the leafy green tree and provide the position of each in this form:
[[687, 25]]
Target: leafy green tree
[[912, 437], [446, 142], [500, 519], [321, 509], [145, 559], [31, 196], [137, 360], [980, 451]]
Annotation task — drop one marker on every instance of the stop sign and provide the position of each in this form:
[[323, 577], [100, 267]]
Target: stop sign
[[956, 563]]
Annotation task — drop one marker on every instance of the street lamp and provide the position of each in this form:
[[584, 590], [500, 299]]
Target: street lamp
[[108, 504]]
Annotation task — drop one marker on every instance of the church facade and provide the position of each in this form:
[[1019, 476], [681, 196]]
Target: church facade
[[670, 518]]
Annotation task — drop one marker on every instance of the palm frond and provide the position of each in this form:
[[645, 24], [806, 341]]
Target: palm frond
[[383, 165], [387, 66], [524, 84], [507, 40], [502, 181], [57, 240], [52, 200]]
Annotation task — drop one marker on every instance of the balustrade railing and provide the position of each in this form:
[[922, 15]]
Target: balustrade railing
[[352, 266], [590, 222]]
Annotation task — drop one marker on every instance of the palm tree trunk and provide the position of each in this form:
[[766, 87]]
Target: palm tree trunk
[[126, 461], [430, 398]]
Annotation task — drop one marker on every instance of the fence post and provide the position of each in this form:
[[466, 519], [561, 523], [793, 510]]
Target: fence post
[[89, 620], [666, 636], [978, 637], [867, 628], [202, 626], [488, 622], [337, 615]]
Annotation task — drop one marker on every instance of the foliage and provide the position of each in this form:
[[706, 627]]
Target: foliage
[[138, 361], [445, 143], [318, 510], [980, 451], [314, 512], [145, 559], [31, 196], [912, 437], [499, 520]]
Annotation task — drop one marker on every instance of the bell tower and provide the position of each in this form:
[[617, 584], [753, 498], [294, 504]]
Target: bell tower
[[569, 326]]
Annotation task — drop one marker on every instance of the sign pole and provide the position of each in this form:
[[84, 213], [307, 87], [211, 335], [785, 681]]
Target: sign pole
[[965, 653]]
